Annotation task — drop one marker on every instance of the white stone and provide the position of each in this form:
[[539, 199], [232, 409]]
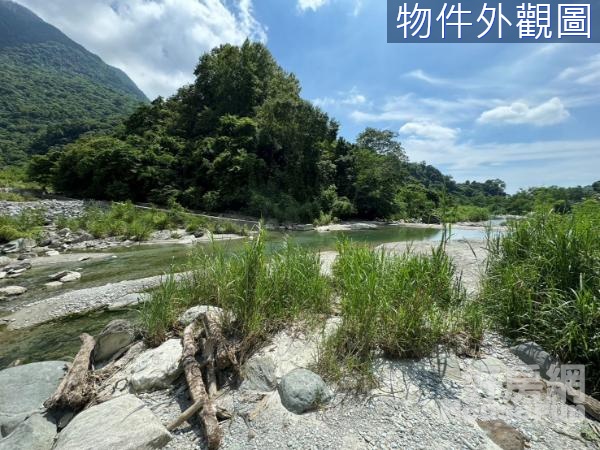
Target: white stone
[[157, 368], [71, 276], [123, 423], [13, 290]]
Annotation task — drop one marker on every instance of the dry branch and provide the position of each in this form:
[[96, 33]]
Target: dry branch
[[193, 376], [76, 388]]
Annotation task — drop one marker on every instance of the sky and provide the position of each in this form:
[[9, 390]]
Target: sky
[[525, 113]]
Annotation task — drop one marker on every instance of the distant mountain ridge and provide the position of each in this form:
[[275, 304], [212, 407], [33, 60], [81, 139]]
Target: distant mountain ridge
[[47, 81]]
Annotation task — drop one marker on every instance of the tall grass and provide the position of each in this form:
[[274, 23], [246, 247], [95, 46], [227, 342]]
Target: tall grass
[[543, 284], [29, 223], [261, 292], [401, 306]]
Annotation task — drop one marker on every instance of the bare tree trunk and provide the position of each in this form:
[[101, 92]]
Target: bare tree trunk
[[76, 388], [193, 376]]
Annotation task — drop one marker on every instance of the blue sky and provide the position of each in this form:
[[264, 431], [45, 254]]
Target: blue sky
[[525, 113]]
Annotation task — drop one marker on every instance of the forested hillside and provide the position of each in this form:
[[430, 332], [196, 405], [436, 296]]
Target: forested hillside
[[240, 138], [52, 89]]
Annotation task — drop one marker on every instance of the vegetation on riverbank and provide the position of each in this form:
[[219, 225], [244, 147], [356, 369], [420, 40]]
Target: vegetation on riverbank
[[401, 306], [28, 224], [128, 221], [543, 284], [260, 292]]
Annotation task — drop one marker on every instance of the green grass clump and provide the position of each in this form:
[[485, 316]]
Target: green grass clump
[[262, 293], [543, 284], [465, 213], [128, 221], [399, 306], [27, 224]]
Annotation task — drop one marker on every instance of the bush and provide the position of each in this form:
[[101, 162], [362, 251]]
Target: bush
[[543, 284], [27, 224], [403, 306], [263, 293]]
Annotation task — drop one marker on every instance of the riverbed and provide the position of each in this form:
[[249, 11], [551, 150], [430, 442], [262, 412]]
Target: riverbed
[[58, 339]]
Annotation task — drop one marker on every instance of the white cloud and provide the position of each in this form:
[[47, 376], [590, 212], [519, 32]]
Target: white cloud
[[428, 130], [587, 73], [353, 97], [549, 113], [156, 42], [421, 75], [311, 4]]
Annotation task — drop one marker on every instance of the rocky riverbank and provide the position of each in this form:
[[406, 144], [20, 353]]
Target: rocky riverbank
[[444, 401]]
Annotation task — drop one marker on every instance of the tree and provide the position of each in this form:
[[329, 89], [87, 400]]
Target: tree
[[383, 142]]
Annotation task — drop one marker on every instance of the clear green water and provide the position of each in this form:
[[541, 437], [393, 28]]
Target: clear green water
[[59, 339]]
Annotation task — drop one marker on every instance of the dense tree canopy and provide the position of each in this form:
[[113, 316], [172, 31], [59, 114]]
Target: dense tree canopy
[[240, 138]]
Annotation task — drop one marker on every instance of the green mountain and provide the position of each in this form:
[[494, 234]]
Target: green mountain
[[52, 90]]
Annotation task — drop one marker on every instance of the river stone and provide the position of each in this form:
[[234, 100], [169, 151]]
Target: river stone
[[489, 365], [194, 312], [2, 275], [53, 285], [35, 433], [302, 390], [5, 261], [71, 276], [259, 374], [58, 275], [534, 355], [117, 335], [157, 368], [123, 423], [52, 253], [23, 390], [129, 300], [13, 290]]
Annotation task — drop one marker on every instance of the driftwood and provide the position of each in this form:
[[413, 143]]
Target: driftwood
[[193, 376], [590, 404], [76, 389]]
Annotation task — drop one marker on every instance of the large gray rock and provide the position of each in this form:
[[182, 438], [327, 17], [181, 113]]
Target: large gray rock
[[194, 312], [23, 390], [35, 433], [156, 368], [5, 261], [534, 355], [69, 277], [259, 374], [117, 335], [302, 390], [18, 245], [12, 290], [123, 423]]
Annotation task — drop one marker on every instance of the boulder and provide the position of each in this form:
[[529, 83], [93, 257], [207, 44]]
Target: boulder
[[35, 433], [52, 253], [69, 277], [5, 261], [194, 312], [23, 390], [58, 275], [157, 368], [534, 355], [2, 275], [117, 335], [302, 390], [259, 374], [53, 285], [123, 423], [19, 245], [12, 290]]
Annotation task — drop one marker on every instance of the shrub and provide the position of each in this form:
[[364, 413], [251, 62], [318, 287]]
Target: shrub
[[403, 306], [543, 284]]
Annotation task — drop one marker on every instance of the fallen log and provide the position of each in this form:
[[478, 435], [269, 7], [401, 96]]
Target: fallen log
[[76, 388], [198, 392]]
